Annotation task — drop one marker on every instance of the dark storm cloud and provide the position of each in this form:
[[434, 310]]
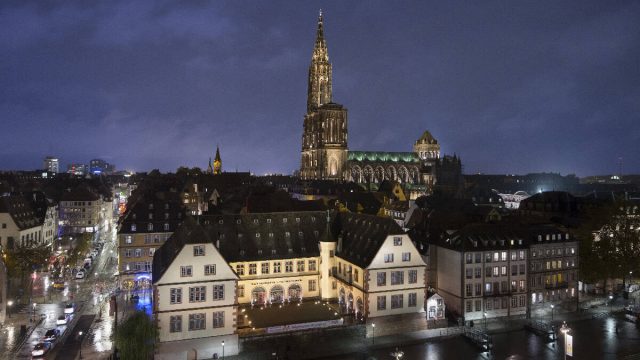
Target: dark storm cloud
[[511, 87]]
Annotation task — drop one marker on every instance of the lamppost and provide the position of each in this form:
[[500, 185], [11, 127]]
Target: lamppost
[[80, 335], [223, 349], [564, 329], [552, 306], [484, 315], [373, 332], [610, 303], [9, 304]]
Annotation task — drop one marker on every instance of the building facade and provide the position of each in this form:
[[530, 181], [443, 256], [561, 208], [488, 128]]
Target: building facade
[[144, 227], [482, 273], [51, 164], [20, 226], [83, 210], [195, 303]]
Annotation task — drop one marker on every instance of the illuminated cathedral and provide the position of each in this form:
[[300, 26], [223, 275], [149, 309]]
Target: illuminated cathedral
[[216, 169], [326, 155]]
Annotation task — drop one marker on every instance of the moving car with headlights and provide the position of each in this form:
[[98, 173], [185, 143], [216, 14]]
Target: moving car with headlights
[[40, 349], [69, 308], [51, 335], [62, 320], [80, 274]]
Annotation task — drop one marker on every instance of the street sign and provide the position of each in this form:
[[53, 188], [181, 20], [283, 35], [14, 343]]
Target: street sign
[[569, 345]]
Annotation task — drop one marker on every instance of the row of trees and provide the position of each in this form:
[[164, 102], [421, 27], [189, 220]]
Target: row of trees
[[610, 243]]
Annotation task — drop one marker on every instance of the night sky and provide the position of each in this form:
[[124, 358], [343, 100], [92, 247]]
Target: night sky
[[511, 87]]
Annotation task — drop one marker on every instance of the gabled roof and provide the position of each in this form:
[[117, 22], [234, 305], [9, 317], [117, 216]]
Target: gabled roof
[[20, 210], [426, 138], [81, 192], [188, 233], [361, 236]]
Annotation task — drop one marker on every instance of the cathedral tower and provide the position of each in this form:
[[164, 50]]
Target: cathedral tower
[[324, 138], [217, 163]]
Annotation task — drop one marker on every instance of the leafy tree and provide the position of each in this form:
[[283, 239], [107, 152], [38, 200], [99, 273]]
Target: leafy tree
[[134, 338], [78, 253], [610, 246]]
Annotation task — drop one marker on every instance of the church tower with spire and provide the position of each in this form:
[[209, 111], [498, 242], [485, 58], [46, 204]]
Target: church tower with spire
[[217, 162], [324, 138]]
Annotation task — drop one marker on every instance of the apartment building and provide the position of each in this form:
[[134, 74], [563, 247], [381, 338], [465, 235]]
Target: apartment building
[[20, 226], [147, 223], [482, 272]]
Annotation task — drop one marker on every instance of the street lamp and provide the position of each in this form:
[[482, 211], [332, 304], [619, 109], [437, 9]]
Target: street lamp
[[9, 304], [552, 306], [564, 329], [223, 349], [610, 303], [373, 332], [80, 335], [484, 315]]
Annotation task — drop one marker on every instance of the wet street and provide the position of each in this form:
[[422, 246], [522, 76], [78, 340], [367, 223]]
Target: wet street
[[593, 339], [89, 326]]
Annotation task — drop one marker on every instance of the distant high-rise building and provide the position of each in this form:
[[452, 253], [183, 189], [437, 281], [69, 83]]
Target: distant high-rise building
[[99, 166], [51, 164], [77, 169]]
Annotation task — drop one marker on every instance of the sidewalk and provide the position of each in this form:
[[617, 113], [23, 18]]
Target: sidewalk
[[343, 341]]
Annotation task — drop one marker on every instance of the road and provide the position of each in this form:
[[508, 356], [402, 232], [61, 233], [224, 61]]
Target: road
[[592, 339], [90, 296]]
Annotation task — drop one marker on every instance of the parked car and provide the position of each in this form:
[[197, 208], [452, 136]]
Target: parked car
[[62, 320], [51, 335], [80, 274], [41, 349], [69, 308]]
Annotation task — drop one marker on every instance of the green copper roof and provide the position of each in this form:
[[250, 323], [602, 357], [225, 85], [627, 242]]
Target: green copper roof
[[379, 156]]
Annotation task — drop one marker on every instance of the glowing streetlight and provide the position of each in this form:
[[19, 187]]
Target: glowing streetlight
[[9, 304], [610, 303], [552, 306], [398, 354], [373, 333], [222, 349], [484, 315], [564, 329]]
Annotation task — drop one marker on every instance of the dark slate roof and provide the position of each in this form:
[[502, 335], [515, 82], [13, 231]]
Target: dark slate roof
[[81, 192], [235, 237], [157, 205], [188, 233], [426, 138], [361, 236], [481, 237], [252, 237], [20, 210]]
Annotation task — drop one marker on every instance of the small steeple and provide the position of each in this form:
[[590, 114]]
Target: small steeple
[[217, 162], [209, 168]]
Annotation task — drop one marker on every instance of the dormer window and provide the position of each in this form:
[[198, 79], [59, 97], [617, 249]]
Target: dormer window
[[290, 251], [316, 233], [255, 221], [150, 227], [166, 206], [133, 216], [150, 216], [313, 219], [257, 235], [150, 206], [300, 233], [220, 221], [238, 221], [241, 252], [133, 227], [287, 234], [268, 221], [270, 235], [259, 251], [284, 220], [297, 219], [273, 251]]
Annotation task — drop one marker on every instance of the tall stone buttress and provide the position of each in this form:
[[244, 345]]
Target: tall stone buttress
[[324, 137]]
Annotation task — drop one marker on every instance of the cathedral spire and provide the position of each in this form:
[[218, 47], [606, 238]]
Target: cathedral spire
[[319, 91], [217, 162]]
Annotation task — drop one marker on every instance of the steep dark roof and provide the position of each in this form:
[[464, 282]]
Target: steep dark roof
[[188, 233], [263, 236], [81, 192], [20, 210], [165, 207], [361, 236]]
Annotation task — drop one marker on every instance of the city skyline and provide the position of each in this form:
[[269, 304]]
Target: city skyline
[[509, 89]]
